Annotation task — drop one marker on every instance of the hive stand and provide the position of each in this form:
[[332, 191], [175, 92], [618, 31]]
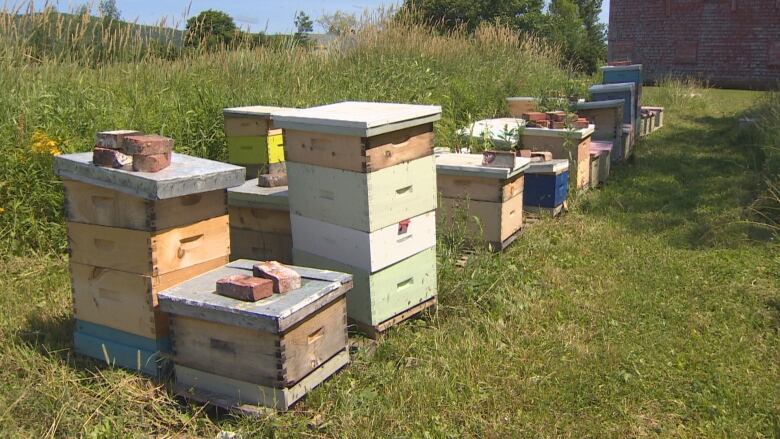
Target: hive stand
[[240, 355], [362, 192], [133, 234]]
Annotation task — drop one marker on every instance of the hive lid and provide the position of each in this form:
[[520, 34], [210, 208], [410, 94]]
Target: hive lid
[[471, 165], [597, 145], [607, 88], [595, 105], [251, 195], [197, 298], [548, 167], [522, 99], [262, 111], [505, 131], [186, 175], [619, 68], [364, 119], [574, 134]]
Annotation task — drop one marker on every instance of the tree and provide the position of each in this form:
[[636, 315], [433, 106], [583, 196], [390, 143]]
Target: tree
[[210, 28], [524, 15], [338, 23], [303, 23], [579, 34], [108, 10]]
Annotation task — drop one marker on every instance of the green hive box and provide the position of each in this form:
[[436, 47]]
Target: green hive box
[[256, 150], [376, 298]]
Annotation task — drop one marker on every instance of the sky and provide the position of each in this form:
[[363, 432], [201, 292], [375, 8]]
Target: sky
[[255, 15]]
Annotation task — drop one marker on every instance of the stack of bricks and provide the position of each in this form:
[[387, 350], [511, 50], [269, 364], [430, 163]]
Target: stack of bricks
[[127, 149], [362, 200], [557, 120], [487, 197], [255, 143], [607, 118], [132, 234], [239, 354]]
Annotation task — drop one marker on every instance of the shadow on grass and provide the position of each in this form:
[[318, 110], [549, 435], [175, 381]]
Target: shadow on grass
[[690, 183], [51, 336]]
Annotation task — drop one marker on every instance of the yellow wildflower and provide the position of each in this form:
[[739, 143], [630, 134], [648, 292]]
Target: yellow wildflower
[[43, 144]]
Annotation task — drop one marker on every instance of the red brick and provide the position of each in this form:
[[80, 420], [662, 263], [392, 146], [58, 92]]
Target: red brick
[[534, 116], [147, 144], [556, 116], [113, 139], [538, 124], [285, 279], [111, 158], [151, 163], [246, 288], [272, 180], [580, 124]]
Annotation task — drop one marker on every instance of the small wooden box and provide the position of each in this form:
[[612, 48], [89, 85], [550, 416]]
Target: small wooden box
[[369, 252], [260, 219], [363, 201], [251, 121], [496, 223], [546, 184], [383, 299], [149, 253], [606, 116], [101, 295], [605, 157], [572, 145], [90, 204], [232, 353], [118, 348], [260, 223], [625, 91], [255, 150], [462, 176], [521, 105]]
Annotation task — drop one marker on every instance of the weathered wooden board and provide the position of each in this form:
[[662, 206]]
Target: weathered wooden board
[[116, 348], [470, 165], [273, 360], [243, 397], [149, 253], [185, 176], [492, 221], [365, 202], [479, 188], [197, 298], [380, 296], [260, 246], [102, 294], [366, 251], [251, 195], [89, 204], [359, 154], [260, 219], [362, 119]]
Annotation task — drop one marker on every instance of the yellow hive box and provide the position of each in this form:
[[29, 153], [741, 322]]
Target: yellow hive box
[[255, 150]]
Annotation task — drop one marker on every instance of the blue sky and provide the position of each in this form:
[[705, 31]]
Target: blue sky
[[257, 15]]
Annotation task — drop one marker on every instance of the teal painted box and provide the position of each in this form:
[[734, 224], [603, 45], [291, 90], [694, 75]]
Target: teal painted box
[[378, 298], [122, 349]]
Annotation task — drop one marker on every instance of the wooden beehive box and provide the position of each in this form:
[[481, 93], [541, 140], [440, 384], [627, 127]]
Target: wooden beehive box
[[363, 201], [625, 91], [489, 199], [521, 105], [603, 151], [358, 136], [383, 299], [546, 184], [132, 234], [369, 252], [252, 138], [572, 145], [269, 353], [606, 116], [260, 223], [625, 74]]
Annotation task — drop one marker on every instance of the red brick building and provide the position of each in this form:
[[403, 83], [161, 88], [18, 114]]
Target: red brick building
[[731, 43]]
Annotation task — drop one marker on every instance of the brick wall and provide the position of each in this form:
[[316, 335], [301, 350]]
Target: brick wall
[[731, 43]]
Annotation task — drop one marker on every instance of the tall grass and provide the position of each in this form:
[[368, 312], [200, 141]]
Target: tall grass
[[767, 206], [61, 98]]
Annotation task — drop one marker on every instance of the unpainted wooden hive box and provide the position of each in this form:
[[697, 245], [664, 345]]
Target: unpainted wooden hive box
[[269, 353]]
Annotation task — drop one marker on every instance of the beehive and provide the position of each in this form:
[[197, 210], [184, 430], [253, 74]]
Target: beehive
[[132, 234], [601, 151], [238, 354], [260, 223], [546, 186], [625, 74], [521, 105], [362, 196], [572, 145], [625, 91], [607, 118], [490, 198], [252, 139]]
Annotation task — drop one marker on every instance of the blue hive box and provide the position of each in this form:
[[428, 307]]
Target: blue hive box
[[122, 349], [546, 184], [625, 91]]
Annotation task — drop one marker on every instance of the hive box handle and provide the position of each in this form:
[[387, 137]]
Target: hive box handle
[[188, 244]]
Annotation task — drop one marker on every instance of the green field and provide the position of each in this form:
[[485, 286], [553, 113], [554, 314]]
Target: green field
[[651, 309]]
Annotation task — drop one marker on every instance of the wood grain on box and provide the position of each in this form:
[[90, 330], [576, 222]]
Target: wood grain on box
[[261, 246], [149, 253], [479, 188], [89, 204], [492, 221], [260, 219]]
